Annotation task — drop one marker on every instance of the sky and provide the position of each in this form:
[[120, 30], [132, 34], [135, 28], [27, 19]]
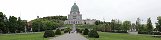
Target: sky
[[104, 10]]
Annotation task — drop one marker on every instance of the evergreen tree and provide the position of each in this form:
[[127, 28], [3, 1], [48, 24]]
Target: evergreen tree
[[97, 22], [149, 25], [138, 24], [13, 24], [2, 23]]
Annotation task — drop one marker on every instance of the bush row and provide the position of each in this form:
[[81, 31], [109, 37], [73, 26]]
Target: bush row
[[120, 32], [67, 30], [79, 30], [50, 33], [156, 33], [142, 32], [91, 33], [152, 33]]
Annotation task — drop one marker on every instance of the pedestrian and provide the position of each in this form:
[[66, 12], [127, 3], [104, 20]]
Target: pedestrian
[[69, 32]]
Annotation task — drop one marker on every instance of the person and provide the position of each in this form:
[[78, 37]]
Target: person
[[69, 32]]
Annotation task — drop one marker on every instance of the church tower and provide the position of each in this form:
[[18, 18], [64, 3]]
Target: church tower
[[74, 17]]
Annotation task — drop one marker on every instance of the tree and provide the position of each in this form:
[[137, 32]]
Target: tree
[[107, 26], [133, 27], [157, 26], [3, 23], [56, 18], [35, 25], [115, 25], [13, 24], [149, 25], [138, 24], [126, 25], [97, 22], [143, 29], [6, 25], [112, 25], [159, 23], [118, 24], [21, 25], [47, 23]]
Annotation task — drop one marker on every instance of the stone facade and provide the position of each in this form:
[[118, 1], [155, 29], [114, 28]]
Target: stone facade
[[76, 18], [89, 21]]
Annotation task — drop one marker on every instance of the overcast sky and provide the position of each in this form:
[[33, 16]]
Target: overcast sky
[[93, 9]]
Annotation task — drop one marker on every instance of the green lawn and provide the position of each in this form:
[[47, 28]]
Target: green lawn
[[29, 36], [122, 36]]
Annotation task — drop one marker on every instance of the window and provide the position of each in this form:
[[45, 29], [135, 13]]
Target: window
[[74, 18], [74, 12]]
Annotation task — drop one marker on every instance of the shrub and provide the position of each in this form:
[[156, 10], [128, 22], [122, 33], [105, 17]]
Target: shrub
[[66, 30], [49, 33], [142, 32], [79, 30], [155, 33], [85, 32], [57, 32], [93, 34], [62, 29], [121, 32]]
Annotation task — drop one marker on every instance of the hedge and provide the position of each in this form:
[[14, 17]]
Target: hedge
[[57, 32], [85, 32], [49, 33], [93, 34]]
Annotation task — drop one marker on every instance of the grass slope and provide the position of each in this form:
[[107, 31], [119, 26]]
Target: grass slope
[[122, 36], [30, 36]]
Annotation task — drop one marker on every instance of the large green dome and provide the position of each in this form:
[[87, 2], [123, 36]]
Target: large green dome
[[75, 8]]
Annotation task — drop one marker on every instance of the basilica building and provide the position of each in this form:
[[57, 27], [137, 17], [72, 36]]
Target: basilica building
[[76, 18]]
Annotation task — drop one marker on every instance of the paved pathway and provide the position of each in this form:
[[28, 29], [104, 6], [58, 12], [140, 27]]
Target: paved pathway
[[71, 36]]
